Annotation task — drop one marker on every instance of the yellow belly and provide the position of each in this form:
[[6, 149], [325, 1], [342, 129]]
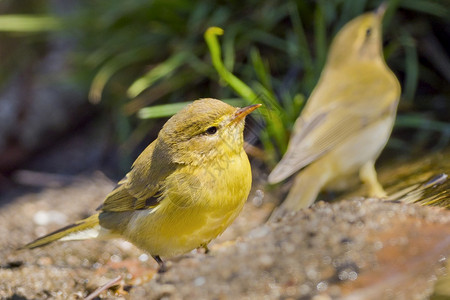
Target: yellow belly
[[197, 206], [366, 145]]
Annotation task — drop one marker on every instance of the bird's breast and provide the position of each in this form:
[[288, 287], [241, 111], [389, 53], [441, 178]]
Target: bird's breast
[[198, 204]]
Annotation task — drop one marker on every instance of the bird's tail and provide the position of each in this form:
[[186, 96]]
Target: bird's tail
[[84, 229], [307, 185]]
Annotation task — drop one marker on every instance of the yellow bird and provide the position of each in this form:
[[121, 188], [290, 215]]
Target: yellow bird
[[183, 190], [347, 119]]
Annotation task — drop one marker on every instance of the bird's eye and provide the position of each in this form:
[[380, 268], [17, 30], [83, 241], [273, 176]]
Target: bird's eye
[[211, 130], [368, 32]]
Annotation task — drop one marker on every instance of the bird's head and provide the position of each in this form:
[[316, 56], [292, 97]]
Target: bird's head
[[207, 129], [359, 40]]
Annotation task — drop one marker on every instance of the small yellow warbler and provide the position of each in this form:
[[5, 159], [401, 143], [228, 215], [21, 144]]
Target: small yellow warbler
[[183, 190], [347, 119]]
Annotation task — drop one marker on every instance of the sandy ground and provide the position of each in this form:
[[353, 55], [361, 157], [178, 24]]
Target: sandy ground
[[354, 249]]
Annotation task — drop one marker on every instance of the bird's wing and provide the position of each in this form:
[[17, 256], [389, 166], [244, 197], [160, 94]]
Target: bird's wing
[[125, 198], [326, 129], [140, 188]]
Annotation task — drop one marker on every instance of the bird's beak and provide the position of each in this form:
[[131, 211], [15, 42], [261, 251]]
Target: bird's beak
[[379, 12], [242, 112]]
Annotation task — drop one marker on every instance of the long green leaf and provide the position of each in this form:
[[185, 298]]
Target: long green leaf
[[239, 86], [411, 67], [109, 69], [29, 23], [167, 110], [161, 70], [272, 118], [439, 9], [320, 38]]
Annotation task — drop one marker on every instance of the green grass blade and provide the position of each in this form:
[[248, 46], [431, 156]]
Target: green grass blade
[[272, 114], [305, 54], [411, 67], [161, 111], [261, 69], [351, 9], [162, 70], [320, 38], [167, 110], [421, 122], [214, 48], [429, 7], [110, 68], [228, 49], [392, 6], [28, 23]]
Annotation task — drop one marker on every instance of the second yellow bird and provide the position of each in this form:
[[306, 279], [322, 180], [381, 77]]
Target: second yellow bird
[[347, 119]]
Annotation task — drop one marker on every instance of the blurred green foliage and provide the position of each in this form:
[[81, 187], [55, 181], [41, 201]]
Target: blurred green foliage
[[134, 54]]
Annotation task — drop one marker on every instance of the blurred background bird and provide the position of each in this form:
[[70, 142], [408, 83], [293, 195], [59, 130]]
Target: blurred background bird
[[184, 189], [347, 119]]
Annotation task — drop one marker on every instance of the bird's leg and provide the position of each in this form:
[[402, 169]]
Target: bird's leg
[[205, 246], [161, 263], [368, 175]]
